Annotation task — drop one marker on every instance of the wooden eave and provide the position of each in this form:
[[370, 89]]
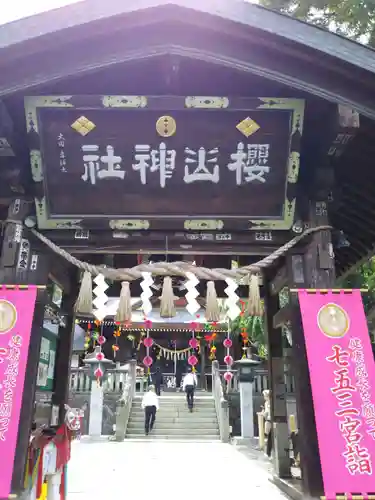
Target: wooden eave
[[60, 43]]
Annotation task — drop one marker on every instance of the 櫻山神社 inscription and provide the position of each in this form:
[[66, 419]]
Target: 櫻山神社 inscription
[[121, 162]]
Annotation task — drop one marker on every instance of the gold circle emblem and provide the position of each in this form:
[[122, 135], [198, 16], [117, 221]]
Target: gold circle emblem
[[166, 126], [333, 321], [8, 316]]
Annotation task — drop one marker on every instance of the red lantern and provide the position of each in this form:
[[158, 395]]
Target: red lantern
[[192, 360], [193, 343], [98, 372], [101, 340], [148, 341], [228, 360], [147, 361], [228, 376], [228, 343], [99, 356]]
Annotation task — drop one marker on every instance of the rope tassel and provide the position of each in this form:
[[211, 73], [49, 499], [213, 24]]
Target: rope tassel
[[83, 304], [254, 303], [124, 311], [212, 304], [167, 307]]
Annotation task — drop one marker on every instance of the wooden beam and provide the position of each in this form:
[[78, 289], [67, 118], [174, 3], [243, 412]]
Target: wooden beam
[[283, 315], [276, 371], [279, 281], [318, 272], [64, 349], [346, 128]]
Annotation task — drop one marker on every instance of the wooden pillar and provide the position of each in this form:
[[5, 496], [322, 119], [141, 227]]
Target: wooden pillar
[[20, 264], [276, 371], [64, 350], [313, 269]]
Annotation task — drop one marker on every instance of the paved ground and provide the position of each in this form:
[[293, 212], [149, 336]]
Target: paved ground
[[159, 470]]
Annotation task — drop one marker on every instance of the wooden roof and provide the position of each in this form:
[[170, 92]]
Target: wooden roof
[[47, 53], [312, 59]]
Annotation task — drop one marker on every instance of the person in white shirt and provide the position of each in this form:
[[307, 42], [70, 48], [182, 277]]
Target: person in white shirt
[[188, 385], [150, 404]]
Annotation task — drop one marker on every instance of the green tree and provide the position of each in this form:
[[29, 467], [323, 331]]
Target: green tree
[[352, 18]]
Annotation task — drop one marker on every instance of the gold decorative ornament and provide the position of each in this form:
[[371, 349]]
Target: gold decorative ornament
[[333, 321], [83, 125], [8, 316], [166, 126], [248, 127], [203, 225], [129, 224]]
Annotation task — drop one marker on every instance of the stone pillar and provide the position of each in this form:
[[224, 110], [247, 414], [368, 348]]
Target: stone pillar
[[96, 410], [247, 410]]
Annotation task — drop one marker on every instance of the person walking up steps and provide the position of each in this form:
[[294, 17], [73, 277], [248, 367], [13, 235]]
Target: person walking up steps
[[150, 404], [188, 385]]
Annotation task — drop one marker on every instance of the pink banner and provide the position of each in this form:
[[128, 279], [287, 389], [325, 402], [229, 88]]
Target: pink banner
[[342, 373], [16, 315]]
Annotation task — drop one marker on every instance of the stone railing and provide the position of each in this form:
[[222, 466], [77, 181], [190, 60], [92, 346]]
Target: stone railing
[[221, 404], [125, 402], [261, 381], [80, 381]]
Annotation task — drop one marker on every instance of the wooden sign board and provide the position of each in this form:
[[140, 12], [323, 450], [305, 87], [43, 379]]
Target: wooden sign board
[[128, 161]]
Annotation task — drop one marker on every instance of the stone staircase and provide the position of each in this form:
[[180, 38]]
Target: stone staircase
[[174, 421]]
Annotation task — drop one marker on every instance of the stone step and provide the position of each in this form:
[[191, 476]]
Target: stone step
[[183, 409], [195, 438], [178, 420], [176, 425], [178, 404], [172, 431]]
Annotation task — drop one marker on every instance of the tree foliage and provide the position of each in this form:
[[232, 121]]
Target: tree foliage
[[351, 18]]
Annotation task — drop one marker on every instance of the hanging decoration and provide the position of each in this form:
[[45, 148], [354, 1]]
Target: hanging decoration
[[87, 337], [172, 354], [148, 341], [228, 360], [147, 293], [193, 361], [192, 305], [212, 355], [212, 304], [124, 311], [83, 304], [254, 305], [253, 271], [232, 308], [167, 299], [101, 299], [115, 346], [99, 356], [245, 341]]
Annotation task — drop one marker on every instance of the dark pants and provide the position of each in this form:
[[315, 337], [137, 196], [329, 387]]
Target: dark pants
[[178, 381], [157, 388], [189, 389], [269, 443], [150, 413]]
